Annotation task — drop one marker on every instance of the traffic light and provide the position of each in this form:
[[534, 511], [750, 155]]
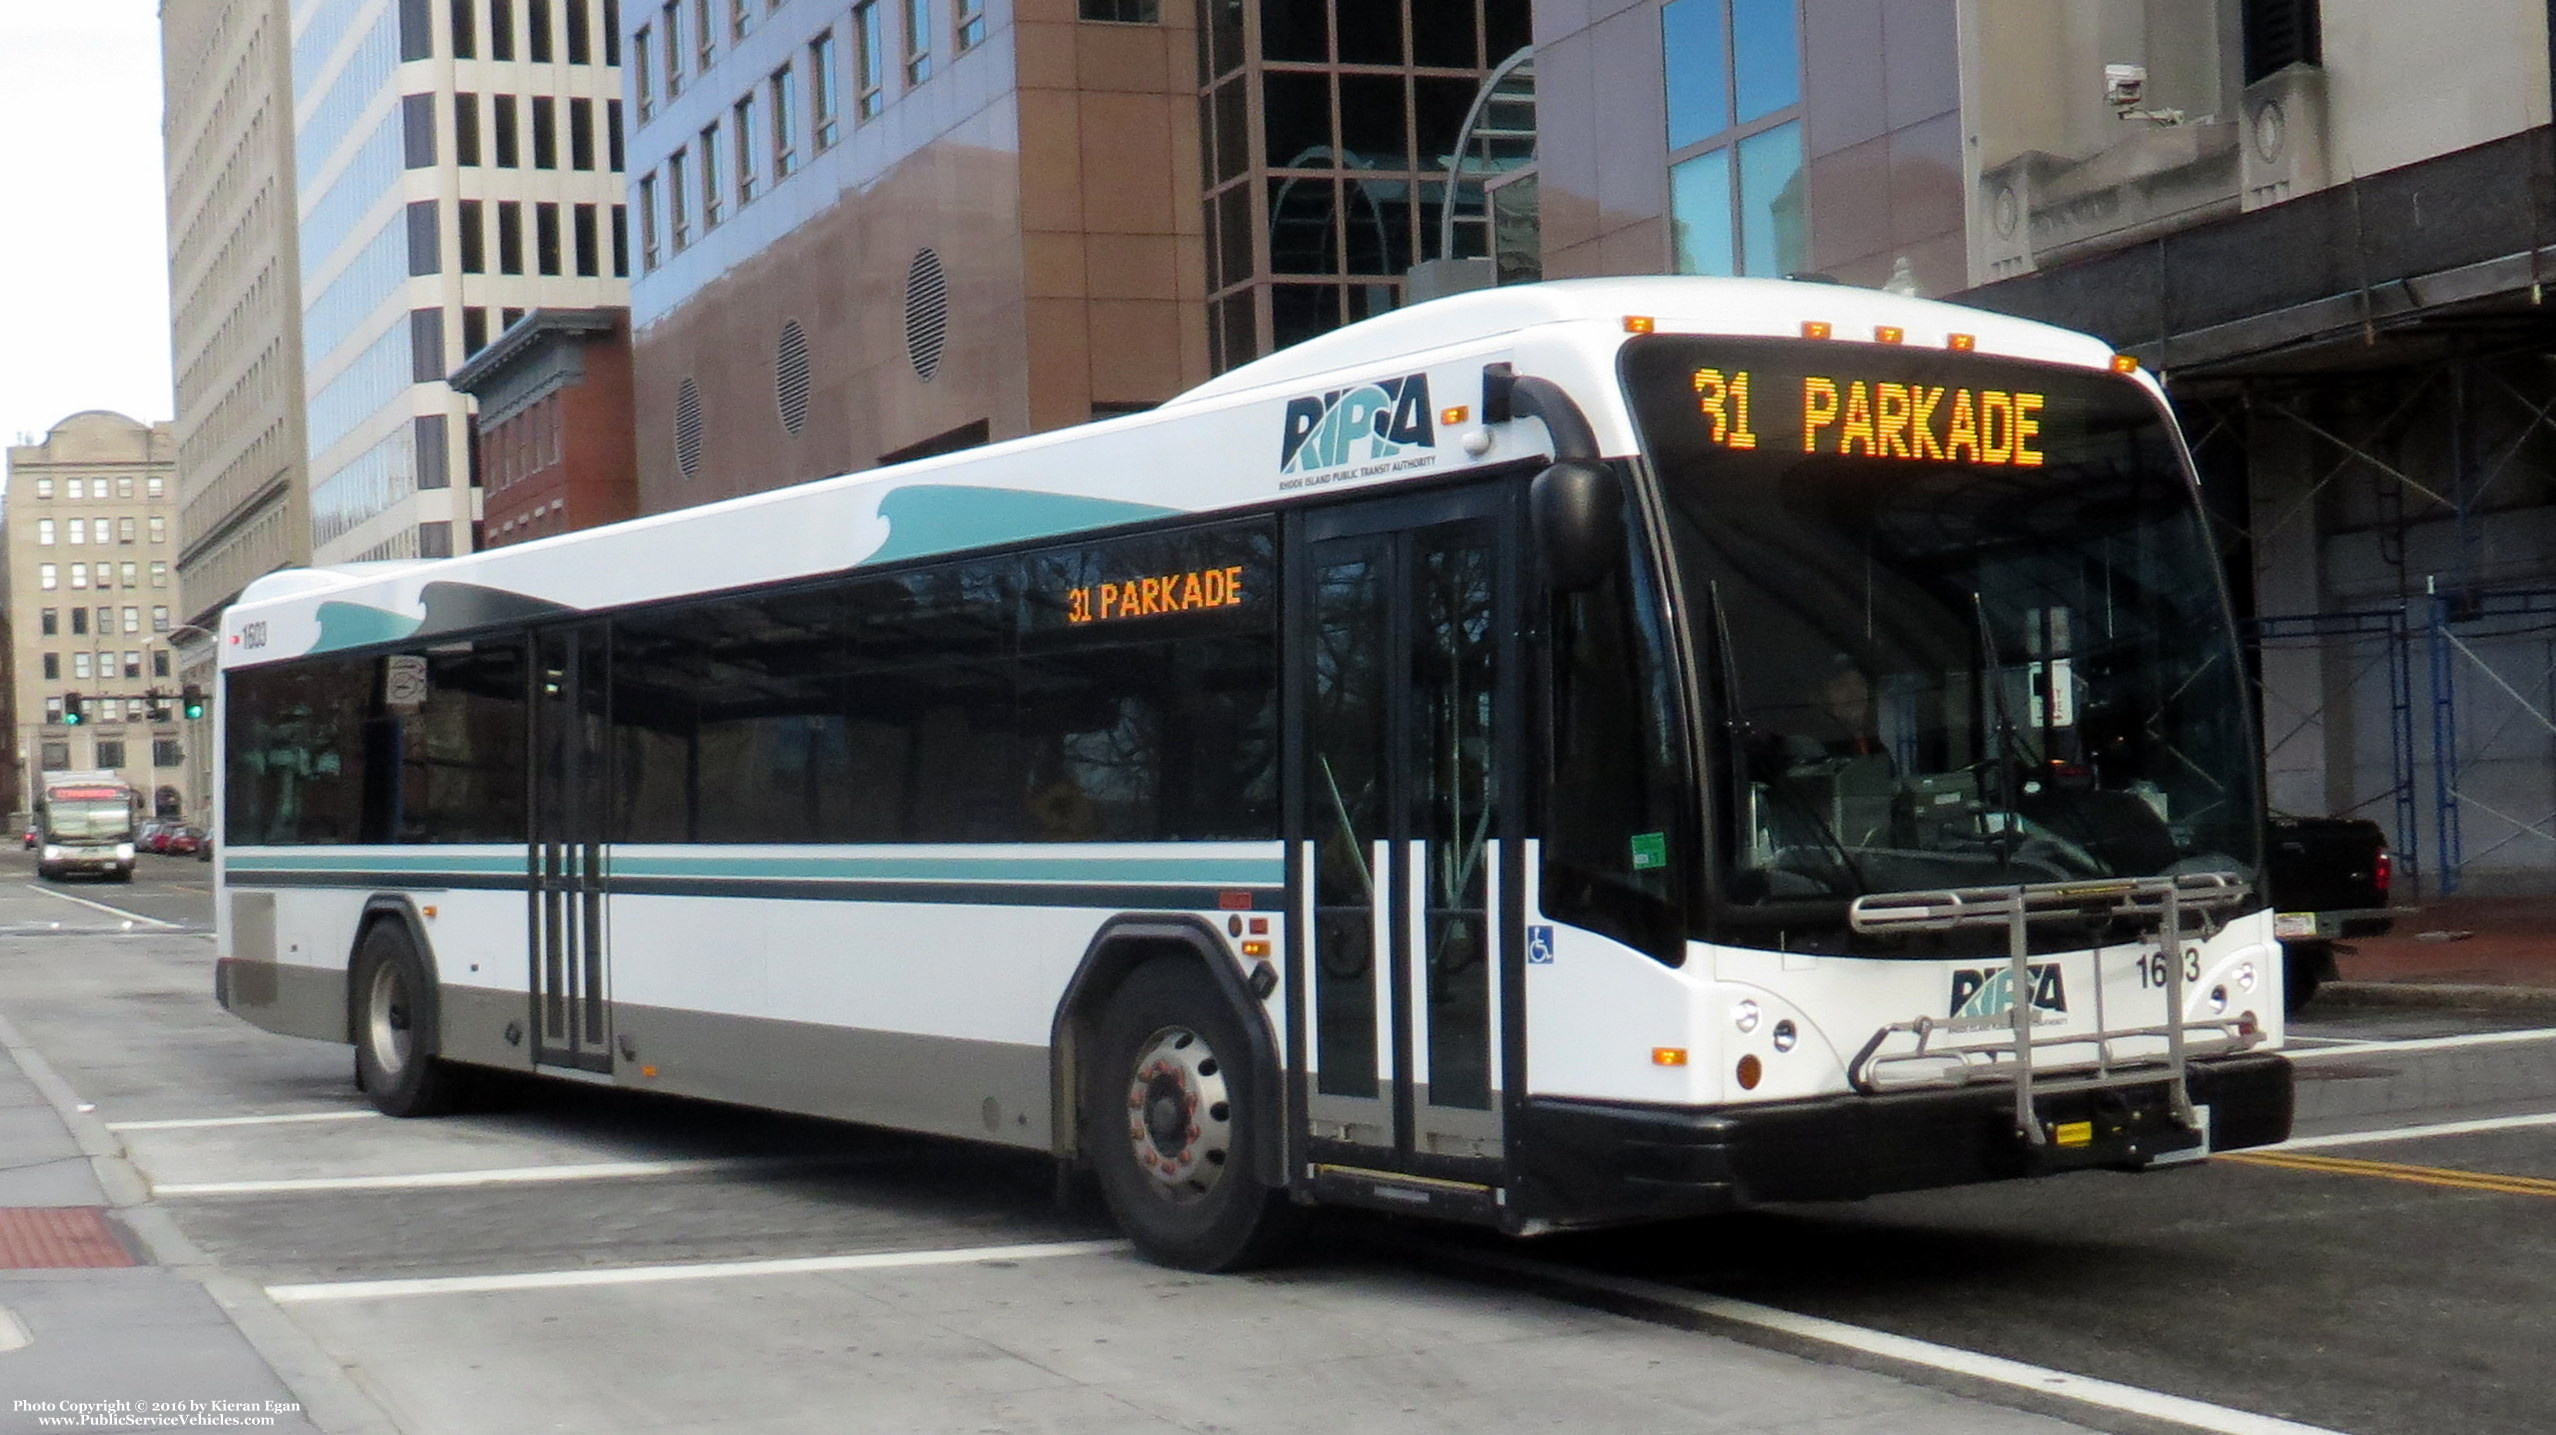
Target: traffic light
[[71, 714], [191, 702]]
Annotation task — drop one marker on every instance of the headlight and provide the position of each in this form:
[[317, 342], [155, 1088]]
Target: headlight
[[1745, 1016], [124, 852], [2245, 977], [52, 853]]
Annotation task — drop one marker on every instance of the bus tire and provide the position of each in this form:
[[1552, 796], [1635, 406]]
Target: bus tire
[[393, 1006], [2305, 966], [1164, 1118]]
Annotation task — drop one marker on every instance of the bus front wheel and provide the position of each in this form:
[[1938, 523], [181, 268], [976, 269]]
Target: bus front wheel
[[395, 1037], [1168, 1121]]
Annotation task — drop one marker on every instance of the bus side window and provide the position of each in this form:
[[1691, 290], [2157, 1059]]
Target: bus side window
[[1616, 835]]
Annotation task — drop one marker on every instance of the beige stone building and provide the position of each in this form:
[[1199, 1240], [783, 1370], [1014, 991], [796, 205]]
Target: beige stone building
[[91, 528], [235, 296]]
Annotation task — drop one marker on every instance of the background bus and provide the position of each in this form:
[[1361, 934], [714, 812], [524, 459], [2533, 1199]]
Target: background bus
[[84, 823], [1576, 753]]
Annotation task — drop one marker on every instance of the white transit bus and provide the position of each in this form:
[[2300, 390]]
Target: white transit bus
[[1577, 753]]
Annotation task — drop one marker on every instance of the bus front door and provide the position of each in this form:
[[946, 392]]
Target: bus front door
[[570, 1015], [1407, 720]]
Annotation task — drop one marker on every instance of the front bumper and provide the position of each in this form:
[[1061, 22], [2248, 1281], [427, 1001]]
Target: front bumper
[[1590, 1163]]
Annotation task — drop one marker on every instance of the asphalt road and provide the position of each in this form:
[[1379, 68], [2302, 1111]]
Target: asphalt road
[[2382, 1286]]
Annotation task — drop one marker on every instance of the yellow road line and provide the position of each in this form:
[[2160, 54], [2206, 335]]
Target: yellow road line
[[2397, 1171]]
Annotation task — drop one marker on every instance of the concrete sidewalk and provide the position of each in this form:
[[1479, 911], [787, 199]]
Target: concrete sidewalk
[[2459, 951], [109, 1318]]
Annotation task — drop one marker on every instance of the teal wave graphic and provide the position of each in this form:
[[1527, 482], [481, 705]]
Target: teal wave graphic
[[353, 625], [924, 520]]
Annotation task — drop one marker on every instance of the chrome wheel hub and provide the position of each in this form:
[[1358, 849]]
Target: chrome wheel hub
[[1180, 1115], [387, 1020]]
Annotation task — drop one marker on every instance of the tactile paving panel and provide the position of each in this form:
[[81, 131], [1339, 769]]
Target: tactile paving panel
[[57, 1237]]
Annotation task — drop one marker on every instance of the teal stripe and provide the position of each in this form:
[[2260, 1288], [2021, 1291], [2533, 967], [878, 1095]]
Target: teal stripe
[[1187, 871]]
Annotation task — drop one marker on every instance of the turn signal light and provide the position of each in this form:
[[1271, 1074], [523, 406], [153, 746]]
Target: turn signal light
[[1816, 329], [1750, 1070], [2125, 363], [1255, 949], [1639, 324], [1963, 342], [1668, 1056], [1450, 417], [1888, 334]]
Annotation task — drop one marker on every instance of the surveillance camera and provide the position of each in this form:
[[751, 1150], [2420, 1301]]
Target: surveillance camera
[[2124, 86]]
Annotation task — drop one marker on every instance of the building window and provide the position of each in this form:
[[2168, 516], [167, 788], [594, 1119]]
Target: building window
[[546, 238], [44, 531], [612, 135], [80, 666], [1735, 136], [159, 620], [474, 243], [545, 128], [52, 622], [110, 752], [538, 18], [159, 529], [670, 23], [785, 123], [124, 488], [821, 102], [155, 486], [918, 42], [76, 532], [709, 177], [1132, 12], [612, 32], [581, 134], [510, 236], [133, 663], [749, 150], [740, 17], [501, 29], [509, 147], [44, 488], [52, 665], [465, 35], [164, 751], [647, 223], [707, 34], [581, 44], [76, 489], [968, 26], [79, 575], [869, 57], [642, 82], [133, 624], [47, 577], [124, 530], [466, 130], [588, 242], [159, 575], [129, 574], [678, 204]]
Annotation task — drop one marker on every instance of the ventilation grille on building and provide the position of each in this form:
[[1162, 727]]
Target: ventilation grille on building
[[688, 428], [927, 313], [790, 376]]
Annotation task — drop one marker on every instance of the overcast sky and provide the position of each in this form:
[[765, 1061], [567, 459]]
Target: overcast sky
[[84, 271]]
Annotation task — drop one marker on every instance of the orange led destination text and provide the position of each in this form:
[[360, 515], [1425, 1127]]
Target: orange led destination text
[[1868, 419], [1154, 597]]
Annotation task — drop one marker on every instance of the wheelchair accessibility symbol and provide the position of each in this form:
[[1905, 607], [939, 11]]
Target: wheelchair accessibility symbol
[[1539, 946]]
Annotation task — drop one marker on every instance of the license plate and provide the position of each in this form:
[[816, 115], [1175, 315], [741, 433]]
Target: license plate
[[2294, 924]]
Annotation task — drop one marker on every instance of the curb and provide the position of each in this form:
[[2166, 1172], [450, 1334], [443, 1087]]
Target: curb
[[2438, 995]]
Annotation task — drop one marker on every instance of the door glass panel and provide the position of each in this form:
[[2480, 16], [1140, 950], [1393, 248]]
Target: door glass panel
[[1346, 794], [1455, 796]]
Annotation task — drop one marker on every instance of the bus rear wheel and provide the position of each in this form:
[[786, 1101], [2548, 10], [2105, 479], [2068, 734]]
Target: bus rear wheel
[[1168, 1119], [395, 1035]]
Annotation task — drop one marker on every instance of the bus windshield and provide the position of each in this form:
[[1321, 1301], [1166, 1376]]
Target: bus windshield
[[88, 819], [1957, 619]]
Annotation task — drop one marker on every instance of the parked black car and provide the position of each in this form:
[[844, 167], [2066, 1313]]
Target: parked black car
[[2328, 878]]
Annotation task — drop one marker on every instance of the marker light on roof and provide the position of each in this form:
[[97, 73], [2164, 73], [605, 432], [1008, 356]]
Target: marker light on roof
[[1815, 329], [2125, 363], [1888, 333], [1638, 324], [1963, 342]]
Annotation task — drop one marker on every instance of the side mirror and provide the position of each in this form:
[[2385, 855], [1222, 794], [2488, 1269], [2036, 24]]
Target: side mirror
[[1578, 509]]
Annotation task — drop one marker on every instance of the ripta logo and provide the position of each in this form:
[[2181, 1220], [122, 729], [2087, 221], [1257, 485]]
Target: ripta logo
[[1369, 423], [1991, 992]]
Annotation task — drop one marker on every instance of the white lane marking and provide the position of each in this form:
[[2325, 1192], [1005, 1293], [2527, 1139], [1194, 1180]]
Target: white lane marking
[[495, 1176], [103, 907], [2430, 1043], [641, 1275], [2086, 1390], [185, 1123], [2413, 1133]]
